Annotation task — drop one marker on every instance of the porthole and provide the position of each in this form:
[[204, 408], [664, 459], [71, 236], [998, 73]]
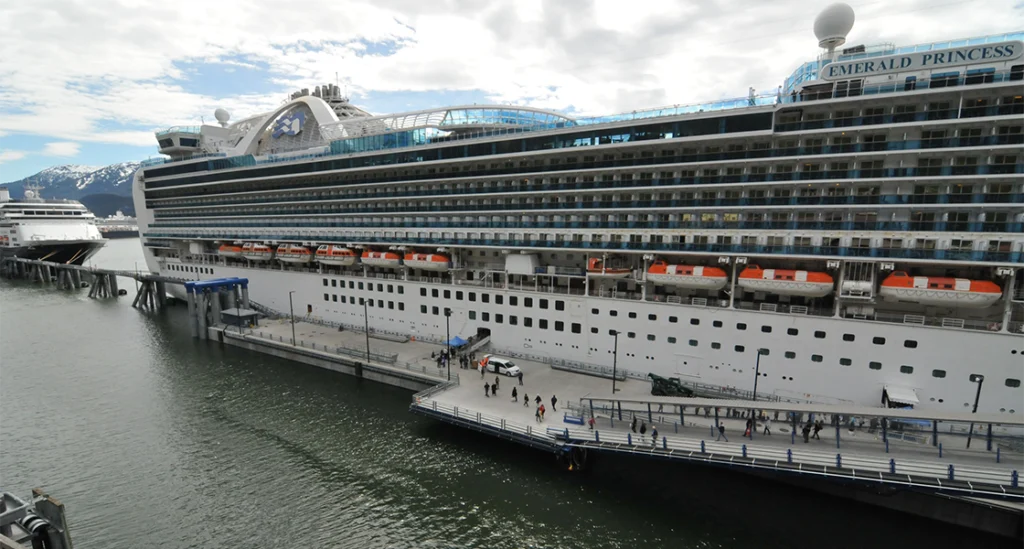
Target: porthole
[[906, 369], [1014, 383], [817, 358], [793, 331], [878, 340], [790, 354], [848, 337], [938, 373], [875, 365]]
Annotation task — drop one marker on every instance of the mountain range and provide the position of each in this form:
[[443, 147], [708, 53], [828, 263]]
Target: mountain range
[[75, 181]]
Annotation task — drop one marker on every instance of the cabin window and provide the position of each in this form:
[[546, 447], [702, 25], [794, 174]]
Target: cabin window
[[790, 355], [652, 317], [817, 358], [673, 319], [694, 321], [577, 327], [325, 297], [845, 361], [793, 331], [875, 365], [878, 340], [632, 315], [423, 310], [910, 344], [1014, 383], [423, 292], [739, 348], [766, 329], [848, 337], [906, 369], [595, 311], [325, 280], [818, 334], [741, 326], [715, 345]]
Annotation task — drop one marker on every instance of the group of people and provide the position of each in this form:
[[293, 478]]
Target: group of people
[[465, 360], [643, 429]]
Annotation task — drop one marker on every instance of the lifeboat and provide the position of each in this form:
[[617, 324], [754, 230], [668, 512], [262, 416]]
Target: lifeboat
[[293, 253], [229, 250], [597, 268], [785, 282], [336, 255], [389, 260], [427, 262], [254, 251], [940, 291], [687, 276]]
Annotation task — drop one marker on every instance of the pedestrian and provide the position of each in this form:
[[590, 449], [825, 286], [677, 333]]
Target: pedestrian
[[807, 432], [542, 410], [536, 415], [768, 426], [538, 399], [515, 397], [495, 384], [482, 371], [591, 423], [633, 424], [526, 400], [520, 376], [472, 357], [554, 400], [818, 426], [643, 428], [654, 435], [776, 415], [721, 433], [707, 411], [746, 433], [487, 389]]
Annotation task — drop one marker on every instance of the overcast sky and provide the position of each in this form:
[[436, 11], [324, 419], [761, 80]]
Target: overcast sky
[[88, 81]]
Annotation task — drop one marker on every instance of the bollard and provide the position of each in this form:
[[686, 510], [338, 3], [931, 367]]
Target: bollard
[[664, 443], [704, 450], [997, 455], [950, 471], [940, 450], [1014, 479], [611, 419], [597, 437], [839, 461], [456, 411], [744, 451], [789, 455], [892, 466], [677, 427], [712, 429], [566, 433], [629, 439], [887, 446]]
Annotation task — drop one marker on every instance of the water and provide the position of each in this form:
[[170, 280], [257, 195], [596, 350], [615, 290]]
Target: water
[[153, 439]]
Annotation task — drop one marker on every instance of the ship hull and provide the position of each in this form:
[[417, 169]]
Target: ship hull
[[72, 253]]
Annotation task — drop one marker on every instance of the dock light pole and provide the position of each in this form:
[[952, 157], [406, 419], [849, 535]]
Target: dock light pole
[[366, 327], [448, 342], [291, 311], [757, 371], [979, 379], [615, 360]]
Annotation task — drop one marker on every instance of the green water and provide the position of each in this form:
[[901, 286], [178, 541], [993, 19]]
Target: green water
[[153, 439]]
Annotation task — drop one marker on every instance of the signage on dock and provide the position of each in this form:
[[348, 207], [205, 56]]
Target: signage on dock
[[924, 60]]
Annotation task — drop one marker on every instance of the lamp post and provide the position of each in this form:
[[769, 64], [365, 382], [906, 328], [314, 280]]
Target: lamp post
[[615, 360], [366, 327], [757, 372], [291, 311], [448, 342], [979, 379]]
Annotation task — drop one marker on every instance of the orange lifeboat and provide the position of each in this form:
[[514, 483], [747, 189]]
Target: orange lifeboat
[[597, 268], [427, 262], [329, 254], [229, 250], [254, 251], [388, 260], [785, 281], [293, 253], [687, 276], [940, 291]]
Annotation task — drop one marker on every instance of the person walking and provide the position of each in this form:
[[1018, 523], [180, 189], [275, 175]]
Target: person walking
[[721, 433], [654, 435], [818, 426], [643, 428], [520, 376], [746, 433], [515, 397], [536, 415], [632, 425], [707, 411], [538, 399], [526, 400], [482, 371], [807, 432], [554, 400], [768, 426], [487, 389], [591, 423], [542, 410], [495, 385]]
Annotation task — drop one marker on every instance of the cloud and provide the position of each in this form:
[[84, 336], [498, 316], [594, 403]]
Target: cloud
[[11, 156], [129, 75], [61, 148]]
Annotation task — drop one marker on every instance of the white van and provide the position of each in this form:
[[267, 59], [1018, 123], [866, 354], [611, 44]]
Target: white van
[[500, 365]]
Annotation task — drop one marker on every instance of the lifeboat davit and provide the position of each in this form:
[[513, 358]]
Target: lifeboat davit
[[257, 252], [687, 276], [329, 254], [229, 250], [389, 260], [940, 291], [293, 253], [596, 268], [785, 282], [427, 262]]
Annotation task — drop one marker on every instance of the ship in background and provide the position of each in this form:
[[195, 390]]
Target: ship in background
[[853, 237], [118, 226], [62, 231]]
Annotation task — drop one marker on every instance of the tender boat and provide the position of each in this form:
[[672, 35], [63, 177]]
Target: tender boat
[[428, 262], [229, 250], [597, 268], [329, 254], [293, 253], [785, 282], [388, 260], [940, 291], [254, 251], [687, 276]]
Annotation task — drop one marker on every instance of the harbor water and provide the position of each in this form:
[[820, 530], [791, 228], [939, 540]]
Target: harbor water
[[154, 439]]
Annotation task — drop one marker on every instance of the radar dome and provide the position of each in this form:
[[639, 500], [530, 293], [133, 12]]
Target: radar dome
[[833, 24], [30, 194], [222, 116]]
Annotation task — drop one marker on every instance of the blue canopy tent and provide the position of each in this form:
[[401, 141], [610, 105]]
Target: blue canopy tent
[[457, 341]]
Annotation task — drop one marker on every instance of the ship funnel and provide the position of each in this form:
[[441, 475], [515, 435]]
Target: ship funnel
[[5, 195]]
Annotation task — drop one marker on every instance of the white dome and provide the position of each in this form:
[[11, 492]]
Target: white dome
[[833, 24], [223, 116]]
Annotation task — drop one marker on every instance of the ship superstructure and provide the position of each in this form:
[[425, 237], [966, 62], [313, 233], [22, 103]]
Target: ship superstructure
[[62, 231], [858, 232]]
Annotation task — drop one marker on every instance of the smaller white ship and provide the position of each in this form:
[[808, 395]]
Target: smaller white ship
[[62, 231], [118, 226]]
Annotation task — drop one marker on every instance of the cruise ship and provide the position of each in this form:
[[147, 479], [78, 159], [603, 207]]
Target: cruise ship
[[118, 226], [62, 231], [854, 236]]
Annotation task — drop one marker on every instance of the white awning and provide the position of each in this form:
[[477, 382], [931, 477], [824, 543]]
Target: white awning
[[901, 395]]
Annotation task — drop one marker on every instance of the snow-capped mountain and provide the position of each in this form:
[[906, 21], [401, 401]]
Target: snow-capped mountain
[[75, 181]]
